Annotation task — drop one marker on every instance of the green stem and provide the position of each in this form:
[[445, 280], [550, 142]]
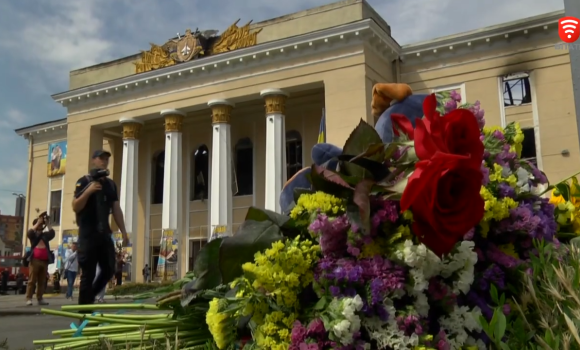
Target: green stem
[[565, 180], [109, 307], [137, 317], [105, 319]]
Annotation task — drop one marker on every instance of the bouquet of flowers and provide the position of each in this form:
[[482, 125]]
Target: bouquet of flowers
[[421, 243], [407, 246]]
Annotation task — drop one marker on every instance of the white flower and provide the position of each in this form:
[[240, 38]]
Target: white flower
[[389, 335], [458, 323]]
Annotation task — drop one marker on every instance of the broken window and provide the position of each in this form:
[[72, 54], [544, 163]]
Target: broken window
[[516, 89]]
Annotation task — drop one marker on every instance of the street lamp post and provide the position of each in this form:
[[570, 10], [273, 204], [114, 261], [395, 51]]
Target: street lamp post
[[572, 9]]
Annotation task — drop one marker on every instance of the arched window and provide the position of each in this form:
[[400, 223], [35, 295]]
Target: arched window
[[293, 153], [158, 174], [244, 167], [200, 174]]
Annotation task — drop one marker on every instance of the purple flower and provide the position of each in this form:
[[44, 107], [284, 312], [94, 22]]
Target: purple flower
[[298, 333], [450, 105], [479, 113], [485, 172], [455, 96], [494, 254], [494, 275], [506, 190], [316, 328], [331, 233]]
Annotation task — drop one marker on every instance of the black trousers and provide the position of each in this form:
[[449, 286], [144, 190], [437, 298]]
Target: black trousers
[[94, 249]]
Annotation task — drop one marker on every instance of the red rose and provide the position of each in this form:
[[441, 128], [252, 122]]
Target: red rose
[[443, 195], [456, 132], [402, 124]]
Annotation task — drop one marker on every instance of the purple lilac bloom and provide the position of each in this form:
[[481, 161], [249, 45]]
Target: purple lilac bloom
[[450, 105], [537, 224], [331, 233], [492, 275], [498, 135], [494, 254], [505, 156], [479, 113], [485, 172], [506, 190], [455, 96]]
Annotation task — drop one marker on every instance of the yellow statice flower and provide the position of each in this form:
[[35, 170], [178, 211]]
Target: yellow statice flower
[[509, 249], [283, 270], [219, 324], [518, 139], [495, 209], [488, 130], [319, 201], [376, 247], [497, 176], [274, 333]]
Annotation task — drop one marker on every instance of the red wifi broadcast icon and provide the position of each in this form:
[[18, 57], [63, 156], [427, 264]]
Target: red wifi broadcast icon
[[569, 29]]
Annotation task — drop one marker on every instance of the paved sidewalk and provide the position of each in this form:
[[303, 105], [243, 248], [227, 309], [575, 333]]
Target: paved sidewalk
[[13, 305]]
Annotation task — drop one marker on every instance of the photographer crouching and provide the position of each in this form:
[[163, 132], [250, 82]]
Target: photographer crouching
[[38, 258], [95, 198]]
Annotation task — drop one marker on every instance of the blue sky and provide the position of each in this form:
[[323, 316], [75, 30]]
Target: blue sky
[[42, 40]]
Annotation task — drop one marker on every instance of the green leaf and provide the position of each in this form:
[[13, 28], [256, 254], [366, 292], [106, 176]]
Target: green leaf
[[375, 149], [329, 182], [364, 168], [494, 296], [500, 326], [362, 137], [251, 237], [564, 190], [353, 213], [484, 324], [321, 304], [206, 268], [259, 214]]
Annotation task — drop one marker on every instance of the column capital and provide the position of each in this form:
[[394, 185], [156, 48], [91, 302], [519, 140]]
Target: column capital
[[275, 100], [131, 128], [173, 120], [221, 111]]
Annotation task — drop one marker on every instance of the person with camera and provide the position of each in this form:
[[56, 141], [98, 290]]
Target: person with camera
[[95, 198], [38, 258]]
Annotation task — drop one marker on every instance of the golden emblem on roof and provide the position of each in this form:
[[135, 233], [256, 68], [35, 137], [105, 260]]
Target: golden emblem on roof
[[195, 45]]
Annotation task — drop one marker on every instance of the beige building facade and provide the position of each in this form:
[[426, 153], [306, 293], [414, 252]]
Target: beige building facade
[[195, 144]]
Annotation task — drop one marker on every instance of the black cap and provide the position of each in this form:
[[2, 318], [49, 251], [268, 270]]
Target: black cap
[[99, 153]]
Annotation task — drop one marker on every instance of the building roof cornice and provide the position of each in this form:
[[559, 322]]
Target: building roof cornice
[[366, 29], [484, 35]]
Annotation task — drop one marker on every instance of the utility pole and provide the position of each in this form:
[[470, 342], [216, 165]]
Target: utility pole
[[572, 8]]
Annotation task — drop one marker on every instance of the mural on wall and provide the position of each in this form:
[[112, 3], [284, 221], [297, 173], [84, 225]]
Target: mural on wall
[[168, 256], [126, 252], [57, 158]]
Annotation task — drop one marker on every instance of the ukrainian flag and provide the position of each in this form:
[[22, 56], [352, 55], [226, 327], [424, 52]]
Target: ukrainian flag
[[322, 132]]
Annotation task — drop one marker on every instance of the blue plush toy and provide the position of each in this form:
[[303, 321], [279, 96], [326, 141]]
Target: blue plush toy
[[388, 99]]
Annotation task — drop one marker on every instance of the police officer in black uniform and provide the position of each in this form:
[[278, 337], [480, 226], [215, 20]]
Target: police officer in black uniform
[[95, 198]]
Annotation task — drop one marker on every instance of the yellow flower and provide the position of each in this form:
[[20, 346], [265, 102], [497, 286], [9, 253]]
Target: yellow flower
[[275, 331], [218, 323], [556, 198], [496, 209], [509, 249], [319, 201]]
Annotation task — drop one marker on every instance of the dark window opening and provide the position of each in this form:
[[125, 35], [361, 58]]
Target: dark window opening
[[55, 204], [244, 168], [293, 153], [158, 175], [529, 146], [517, 91], [195, 246], [200, 174]]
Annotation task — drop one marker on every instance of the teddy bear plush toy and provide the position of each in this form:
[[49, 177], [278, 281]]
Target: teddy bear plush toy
[[387, 100]]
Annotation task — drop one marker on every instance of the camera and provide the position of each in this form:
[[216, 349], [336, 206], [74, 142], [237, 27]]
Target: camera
[[97, 174]]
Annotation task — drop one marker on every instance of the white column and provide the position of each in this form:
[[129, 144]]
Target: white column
[[275, 146], [221, 210], [130, 181], [173, 174]]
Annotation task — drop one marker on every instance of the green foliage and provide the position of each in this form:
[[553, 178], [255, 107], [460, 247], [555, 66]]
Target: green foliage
[[138, 288]]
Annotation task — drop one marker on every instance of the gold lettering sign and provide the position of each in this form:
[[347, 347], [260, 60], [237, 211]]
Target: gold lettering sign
[[195, 45]]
